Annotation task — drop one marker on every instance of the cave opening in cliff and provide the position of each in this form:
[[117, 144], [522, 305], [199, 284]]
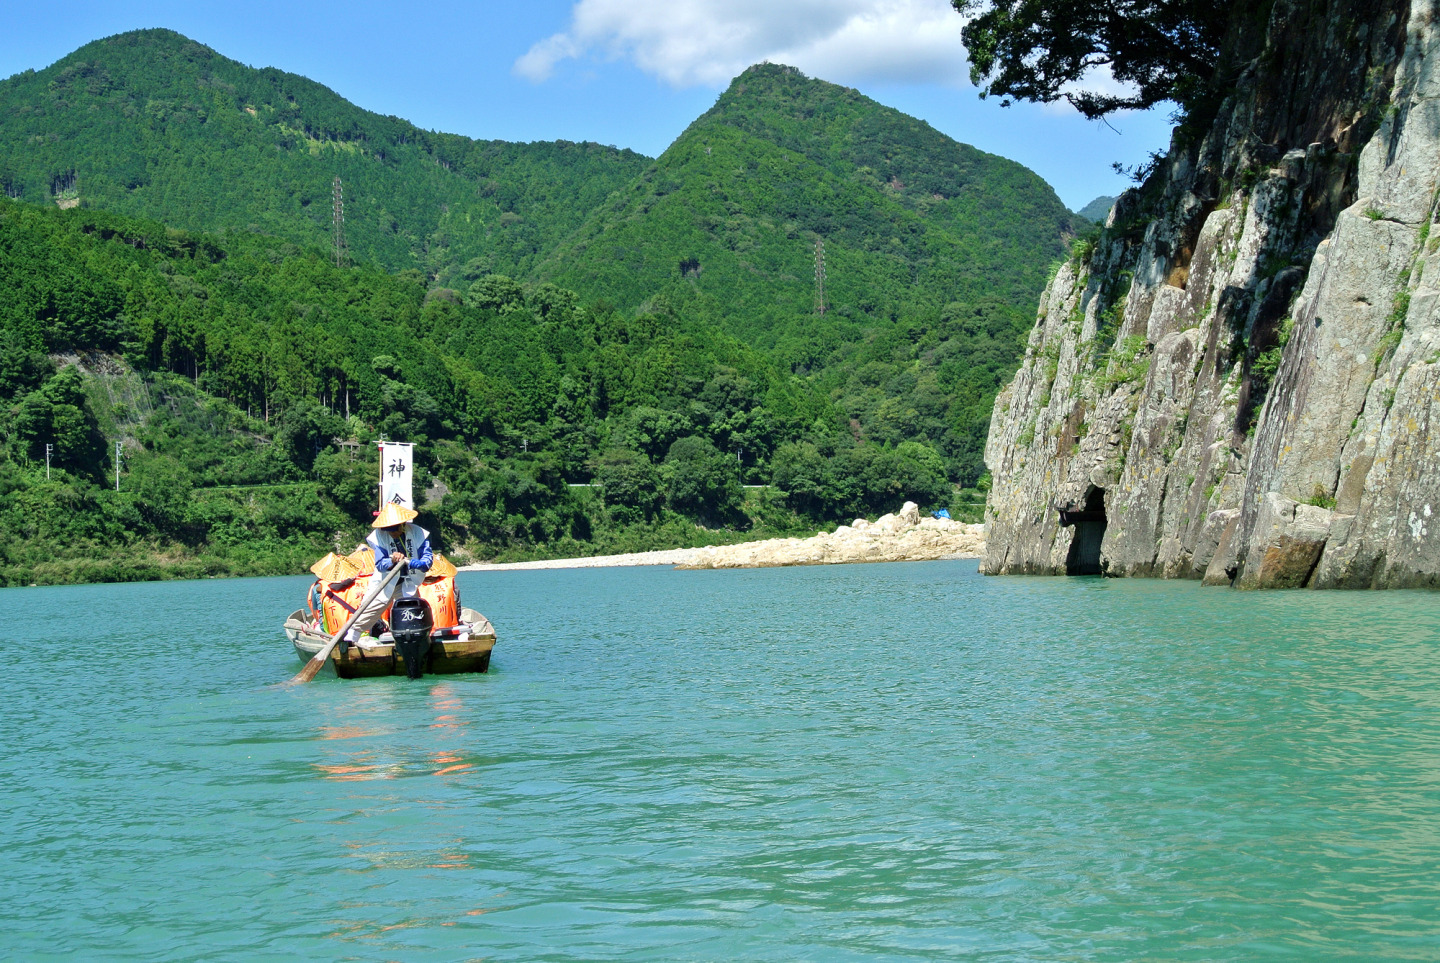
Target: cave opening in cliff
[[1089, 522]]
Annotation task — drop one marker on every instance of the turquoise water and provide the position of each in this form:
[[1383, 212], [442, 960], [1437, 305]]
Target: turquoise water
[[904, 761]]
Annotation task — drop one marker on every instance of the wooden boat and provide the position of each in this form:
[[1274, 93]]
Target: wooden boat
[[436, 629], [462, 648]]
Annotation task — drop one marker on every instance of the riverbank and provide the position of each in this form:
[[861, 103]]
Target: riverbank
[[900, 537]]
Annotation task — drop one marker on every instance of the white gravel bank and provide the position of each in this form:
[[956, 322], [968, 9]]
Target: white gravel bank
[[901, 537]]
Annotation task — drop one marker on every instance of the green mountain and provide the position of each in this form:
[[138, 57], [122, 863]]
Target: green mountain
[[1097, 210], [153, 124], [933, 253], [727, 219], [166, 282]]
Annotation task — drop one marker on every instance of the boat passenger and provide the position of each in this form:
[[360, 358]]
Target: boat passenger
[[394, 540], [315, 598]]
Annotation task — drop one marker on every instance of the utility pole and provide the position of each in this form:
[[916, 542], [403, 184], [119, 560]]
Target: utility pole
[[341, 254], [118, 449], [819, 275], [48, 449]]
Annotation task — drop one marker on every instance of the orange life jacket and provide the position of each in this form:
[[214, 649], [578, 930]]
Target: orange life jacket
[[440, 593], [339, 606], [444, 600]]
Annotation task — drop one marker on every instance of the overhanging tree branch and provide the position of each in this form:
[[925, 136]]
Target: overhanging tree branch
[[1047, 51]]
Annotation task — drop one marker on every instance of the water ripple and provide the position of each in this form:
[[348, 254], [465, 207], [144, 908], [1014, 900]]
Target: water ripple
[[865, 762]]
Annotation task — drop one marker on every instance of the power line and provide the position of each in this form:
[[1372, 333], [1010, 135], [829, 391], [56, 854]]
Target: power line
[[342, 255], [819, 275]]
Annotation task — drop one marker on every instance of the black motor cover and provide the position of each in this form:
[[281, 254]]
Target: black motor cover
[[410, 623]]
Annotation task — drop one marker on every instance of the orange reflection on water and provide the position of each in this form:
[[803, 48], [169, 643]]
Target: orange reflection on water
[[449, 769], [444, 701], [449, 763], [399, 926], [358, 768], [482, 910], [449, 713], [345, 732], [352, 773], [452, 861]]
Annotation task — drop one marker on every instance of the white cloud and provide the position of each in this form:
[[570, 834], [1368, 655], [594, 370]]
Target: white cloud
[[706, 42]]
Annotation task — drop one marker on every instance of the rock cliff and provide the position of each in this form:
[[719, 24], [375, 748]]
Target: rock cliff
[[1236, 382]]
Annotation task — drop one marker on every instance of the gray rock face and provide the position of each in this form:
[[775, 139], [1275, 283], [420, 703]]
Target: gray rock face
[[1237, 383]]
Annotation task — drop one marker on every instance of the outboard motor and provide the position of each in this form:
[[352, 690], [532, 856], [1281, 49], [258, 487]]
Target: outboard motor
[[410, 622]]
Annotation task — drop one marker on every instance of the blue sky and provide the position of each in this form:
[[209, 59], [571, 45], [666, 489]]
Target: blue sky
[[632, 73]]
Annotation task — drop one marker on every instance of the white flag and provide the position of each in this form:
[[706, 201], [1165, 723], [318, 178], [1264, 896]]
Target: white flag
[[396, 471]]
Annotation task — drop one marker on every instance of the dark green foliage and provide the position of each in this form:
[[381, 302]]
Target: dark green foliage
[[629, 484], [1163, 50], [861, 480], [800, 472], [22, 368], [305, 430], [57, 413], [496, 292], [700, 481]]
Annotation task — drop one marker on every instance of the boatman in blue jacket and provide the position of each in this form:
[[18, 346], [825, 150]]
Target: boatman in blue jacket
[[395, 540]]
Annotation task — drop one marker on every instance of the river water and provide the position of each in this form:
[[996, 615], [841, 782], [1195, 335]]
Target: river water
[[865, 762]]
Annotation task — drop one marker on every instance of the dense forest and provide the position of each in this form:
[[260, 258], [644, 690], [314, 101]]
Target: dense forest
[[244, 378], [594, 351]]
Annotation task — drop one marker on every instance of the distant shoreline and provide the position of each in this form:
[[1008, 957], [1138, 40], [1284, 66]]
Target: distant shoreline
[[674, 557], [669, 556], [902, 537]]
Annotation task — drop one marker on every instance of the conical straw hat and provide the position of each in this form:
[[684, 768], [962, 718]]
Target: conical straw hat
[[363, 558], [335, 568], [393, 514], [440, 567]]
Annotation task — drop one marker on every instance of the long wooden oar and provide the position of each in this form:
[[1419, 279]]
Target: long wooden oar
[[317, 661]]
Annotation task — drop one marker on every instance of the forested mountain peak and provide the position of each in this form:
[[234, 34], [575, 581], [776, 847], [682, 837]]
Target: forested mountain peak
[[1098, 209], [142, 67], [845, 131], [728, 219], [155, 124]]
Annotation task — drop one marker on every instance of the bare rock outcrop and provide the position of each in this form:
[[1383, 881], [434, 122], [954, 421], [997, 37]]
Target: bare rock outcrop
[[1237, 382], [899, 537]]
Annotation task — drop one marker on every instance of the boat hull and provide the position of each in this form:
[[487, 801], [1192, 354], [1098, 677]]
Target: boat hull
[[446, 656]]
